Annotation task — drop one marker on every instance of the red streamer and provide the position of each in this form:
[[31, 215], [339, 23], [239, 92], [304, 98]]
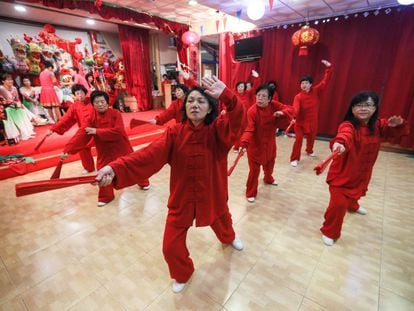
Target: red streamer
[[32, 187], [231, 169], [323, 164]]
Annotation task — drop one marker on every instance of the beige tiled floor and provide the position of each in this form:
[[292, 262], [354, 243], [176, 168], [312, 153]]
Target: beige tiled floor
[[59, 251]]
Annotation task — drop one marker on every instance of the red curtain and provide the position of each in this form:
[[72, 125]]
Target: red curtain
[[368, 53], [135, 52]]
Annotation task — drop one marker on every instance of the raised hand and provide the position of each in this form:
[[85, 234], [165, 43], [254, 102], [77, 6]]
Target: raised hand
[[255, 73], [326, 63], [105, 176], [214, 86], [394, 121]]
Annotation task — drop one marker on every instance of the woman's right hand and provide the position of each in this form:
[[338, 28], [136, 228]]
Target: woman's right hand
[[340, 146], [105, 176]]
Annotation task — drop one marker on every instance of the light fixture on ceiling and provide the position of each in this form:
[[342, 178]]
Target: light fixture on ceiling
[[192, 2], [90, 22], [255, 10], [20, 8], [405, 2]]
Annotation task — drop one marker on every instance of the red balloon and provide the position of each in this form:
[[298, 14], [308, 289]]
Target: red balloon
[[190, 37]]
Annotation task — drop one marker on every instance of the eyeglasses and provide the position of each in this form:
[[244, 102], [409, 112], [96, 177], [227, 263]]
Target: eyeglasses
[[364, 105]]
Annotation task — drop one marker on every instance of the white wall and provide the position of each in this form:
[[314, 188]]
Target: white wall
[[113, 41], [168, 54], [15, 29]]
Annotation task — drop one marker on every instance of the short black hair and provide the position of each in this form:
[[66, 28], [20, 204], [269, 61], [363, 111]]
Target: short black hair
[[95, 94], [267, 87], [5, 76], [48, 64], [306, 78], [75, 68], [79, 87], [359, 98], [183, 87], [211, 101], [241, 82]]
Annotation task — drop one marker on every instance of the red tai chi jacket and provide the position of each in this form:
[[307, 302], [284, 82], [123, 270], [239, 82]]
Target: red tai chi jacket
[[111, 139], [352, 170], [306, 105], [259, 134], [172, 112], [198, 160]]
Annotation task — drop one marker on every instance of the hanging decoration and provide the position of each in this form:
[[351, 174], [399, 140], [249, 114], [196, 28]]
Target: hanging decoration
[[270, 5], [224, 22], [217, 25], [190, 38], [304, 37], [238, 14]]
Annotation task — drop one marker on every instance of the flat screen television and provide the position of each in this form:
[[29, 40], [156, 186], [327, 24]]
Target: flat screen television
[[248, 49]]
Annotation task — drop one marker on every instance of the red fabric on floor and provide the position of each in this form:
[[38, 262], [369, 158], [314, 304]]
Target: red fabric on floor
[[48, 154]]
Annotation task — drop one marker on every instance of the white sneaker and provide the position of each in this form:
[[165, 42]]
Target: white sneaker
[[361, 210], [177, 287], [84, 172], [146, 187], [100, 204], [294, 163], [274, 183], [251, 199], [327, 241], [312, 154], [237, 244]]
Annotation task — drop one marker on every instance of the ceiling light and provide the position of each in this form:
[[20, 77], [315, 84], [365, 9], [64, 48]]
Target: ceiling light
[[20, 8], [192, 2], [90, 22], [255, 10], [405, 2]]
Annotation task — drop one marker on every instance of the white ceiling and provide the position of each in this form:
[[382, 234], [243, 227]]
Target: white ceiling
[[283, 12]]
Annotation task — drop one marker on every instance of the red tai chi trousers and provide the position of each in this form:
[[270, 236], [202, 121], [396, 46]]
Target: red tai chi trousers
[[335, 213], [175, 250]]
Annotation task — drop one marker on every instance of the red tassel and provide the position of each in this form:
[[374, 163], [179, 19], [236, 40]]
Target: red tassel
[[270, 5], [217, 25], [58, 169], [303, 51], [40, 143]]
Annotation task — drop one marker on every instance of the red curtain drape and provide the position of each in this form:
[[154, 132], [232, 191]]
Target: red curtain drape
[[135, 52], [368, 53]]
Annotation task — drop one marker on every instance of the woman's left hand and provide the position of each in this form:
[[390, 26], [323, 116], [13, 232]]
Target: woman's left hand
[[395, 121], [90, 130], [214, 86]]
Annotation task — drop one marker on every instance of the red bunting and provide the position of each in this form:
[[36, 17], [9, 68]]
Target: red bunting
[[270, 5]]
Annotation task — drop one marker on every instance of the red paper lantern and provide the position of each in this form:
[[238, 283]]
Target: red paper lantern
[[304, 37], [190, 37]]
